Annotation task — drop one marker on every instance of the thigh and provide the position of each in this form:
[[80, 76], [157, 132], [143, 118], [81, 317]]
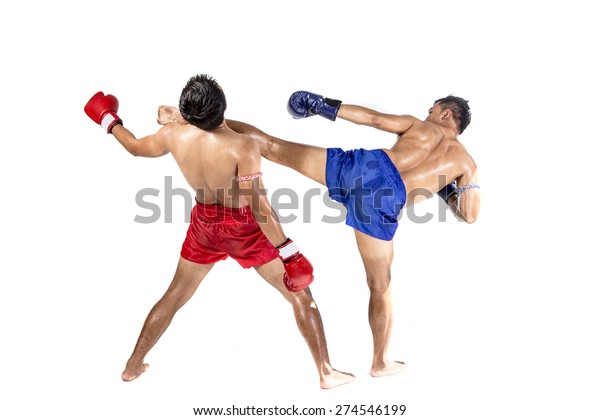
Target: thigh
[[187, 278], [247, 244], [309, 160], [377, 256]]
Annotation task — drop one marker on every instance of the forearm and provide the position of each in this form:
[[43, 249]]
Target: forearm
[[453, 204], [269, 223], [465, 206], [361, 115], [154, 145], [358, 115], [126, 138], [102, 109]]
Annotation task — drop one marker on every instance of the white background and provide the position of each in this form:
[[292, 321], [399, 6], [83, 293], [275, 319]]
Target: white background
[[495, 320]]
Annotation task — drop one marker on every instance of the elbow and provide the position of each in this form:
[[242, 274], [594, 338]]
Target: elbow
[[375, 121], [470, 219], [471, 212], [134, 152]]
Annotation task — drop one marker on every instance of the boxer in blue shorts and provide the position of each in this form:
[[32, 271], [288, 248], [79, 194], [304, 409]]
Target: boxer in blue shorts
[[375, 184], [369, 186]]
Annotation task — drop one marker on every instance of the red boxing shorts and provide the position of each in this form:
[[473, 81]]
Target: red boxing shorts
[[218, 232]]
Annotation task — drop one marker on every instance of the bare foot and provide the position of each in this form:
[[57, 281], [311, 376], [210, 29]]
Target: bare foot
[[130, 373], [336, 378], [390, 368]]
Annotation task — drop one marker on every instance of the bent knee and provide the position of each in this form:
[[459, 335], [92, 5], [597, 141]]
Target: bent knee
[[379, 284], [302, 299], [176, 298]]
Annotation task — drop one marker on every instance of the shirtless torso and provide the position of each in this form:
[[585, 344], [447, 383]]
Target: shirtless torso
[[427, 154], [210, 163]]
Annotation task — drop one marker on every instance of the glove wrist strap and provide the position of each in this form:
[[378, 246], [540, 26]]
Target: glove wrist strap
[[287, 250], [109, 121]]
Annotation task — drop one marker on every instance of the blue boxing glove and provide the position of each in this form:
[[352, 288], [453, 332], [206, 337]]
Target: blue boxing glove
[[304, 104], [448, 191]]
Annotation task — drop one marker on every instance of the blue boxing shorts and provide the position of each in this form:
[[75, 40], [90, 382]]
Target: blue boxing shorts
[[368, 184]]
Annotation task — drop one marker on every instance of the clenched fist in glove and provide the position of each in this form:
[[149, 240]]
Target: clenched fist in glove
[[298, 270], [304, 104], [103, 110]]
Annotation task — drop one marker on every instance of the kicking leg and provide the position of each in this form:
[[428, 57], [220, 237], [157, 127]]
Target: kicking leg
[[185, 282], [377, 257], [308, 319], [309, 160]]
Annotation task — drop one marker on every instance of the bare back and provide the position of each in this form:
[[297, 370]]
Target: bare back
[[210, 161], [429, 156]]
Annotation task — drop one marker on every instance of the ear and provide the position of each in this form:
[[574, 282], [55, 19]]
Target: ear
[[446, 114]]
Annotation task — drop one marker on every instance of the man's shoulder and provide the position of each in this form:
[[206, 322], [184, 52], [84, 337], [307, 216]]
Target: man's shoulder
[[461, 154], [238, 144], [242, 141]]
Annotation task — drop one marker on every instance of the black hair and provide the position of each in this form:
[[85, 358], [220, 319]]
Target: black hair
[[202, 102], [461, 112]]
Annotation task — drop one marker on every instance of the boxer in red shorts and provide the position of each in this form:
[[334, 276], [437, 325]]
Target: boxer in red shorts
[[232, 216], [218, 232]]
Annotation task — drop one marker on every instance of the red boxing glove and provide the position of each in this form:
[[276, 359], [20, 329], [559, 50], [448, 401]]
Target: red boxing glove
[[298, 270], [103, 110]]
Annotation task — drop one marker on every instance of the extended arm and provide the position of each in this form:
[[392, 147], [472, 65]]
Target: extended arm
[[103, 109], [303, 104], [361, 115], [154, 145]]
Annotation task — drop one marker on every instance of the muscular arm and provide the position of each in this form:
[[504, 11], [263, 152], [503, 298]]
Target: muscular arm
[[254, 192], [469, 199], [361, 115], [154, 145]]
